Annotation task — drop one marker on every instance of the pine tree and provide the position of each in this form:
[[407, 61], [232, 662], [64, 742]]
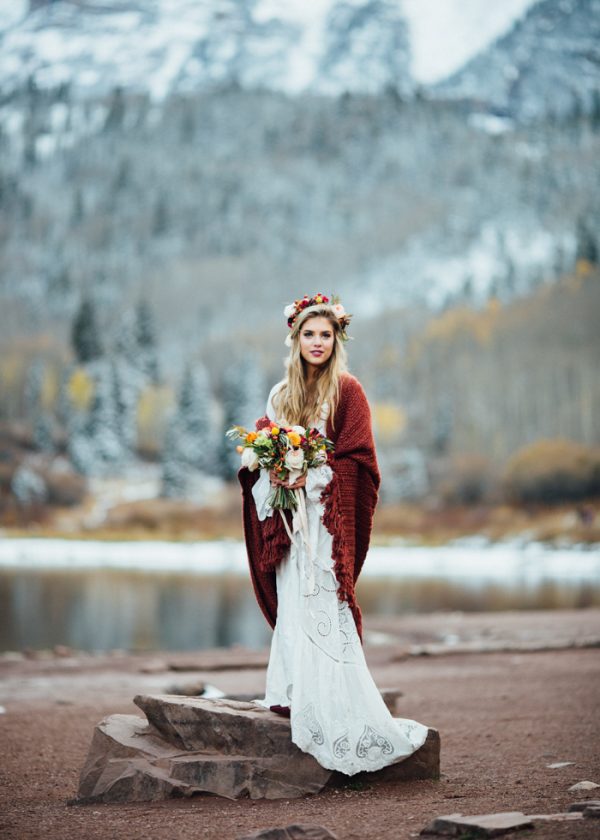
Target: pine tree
[[195, 418], [33, 388], [244, 401], [131, 365], [595, 111], [116, 110], [104, 424], [28, 486], [587, 246], [175, 472], [189, 443], [124, 401], [85, 336], [145, 338], [42, 432], [97, 444]]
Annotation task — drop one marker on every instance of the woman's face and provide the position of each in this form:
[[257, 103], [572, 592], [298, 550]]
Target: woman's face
[[317, 337]]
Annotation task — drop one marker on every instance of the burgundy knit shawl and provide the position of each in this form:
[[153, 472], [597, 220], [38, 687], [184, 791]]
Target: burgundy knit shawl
[[349, 504]]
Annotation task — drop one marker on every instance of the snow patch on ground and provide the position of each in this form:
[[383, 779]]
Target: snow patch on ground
[[470, 562]]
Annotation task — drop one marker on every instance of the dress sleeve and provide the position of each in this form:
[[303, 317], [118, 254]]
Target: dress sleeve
[[261, 490], [317, 479]]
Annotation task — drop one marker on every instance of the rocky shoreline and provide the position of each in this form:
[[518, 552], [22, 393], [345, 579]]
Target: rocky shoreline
[[517, 719]]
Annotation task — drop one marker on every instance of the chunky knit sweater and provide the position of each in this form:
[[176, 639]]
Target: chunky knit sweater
[[349, 503]]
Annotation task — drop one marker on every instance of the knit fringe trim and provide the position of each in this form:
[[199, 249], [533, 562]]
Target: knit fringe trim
[[276, 541], [333, 521]]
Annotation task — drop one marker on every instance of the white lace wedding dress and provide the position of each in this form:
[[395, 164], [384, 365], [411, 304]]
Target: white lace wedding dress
[[316, 664]]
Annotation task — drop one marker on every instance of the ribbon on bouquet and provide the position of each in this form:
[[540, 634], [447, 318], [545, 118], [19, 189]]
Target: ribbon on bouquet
[[300, 525]]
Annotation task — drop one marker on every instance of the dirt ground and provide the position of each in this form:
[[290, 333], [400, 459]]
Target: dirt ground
[[503, 716]]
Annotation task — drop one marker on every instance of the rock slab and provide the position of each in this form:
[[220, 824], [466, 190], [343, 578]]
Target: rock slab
[[581, 806], [297, 831], [224, 747], [480, 825]]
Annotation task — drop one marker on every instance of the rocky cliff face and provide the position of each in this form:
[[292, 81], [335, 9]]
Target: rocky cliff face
[[547, 65], [183, 46]]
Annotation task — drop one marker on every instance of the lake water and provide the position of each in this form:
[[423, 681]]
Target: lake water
[[100, 596]]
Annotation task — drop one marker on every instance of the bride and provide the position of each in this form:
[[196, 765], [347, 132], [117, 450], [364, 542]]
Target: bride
[[304, 570]]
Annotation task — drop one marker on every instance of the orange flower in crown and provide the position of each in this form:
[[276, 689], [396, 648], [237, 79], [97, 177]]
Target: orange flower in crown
[[293, 310]]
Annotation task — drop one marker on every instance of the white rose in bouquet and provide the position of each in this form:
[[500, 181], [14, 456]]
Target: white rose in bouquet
[[289, 310], [320, 457], [249, 459], [300, 429]]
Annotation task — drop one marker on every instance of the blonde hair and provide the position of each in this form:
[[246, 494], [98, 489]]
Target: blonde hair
[[291, 402]]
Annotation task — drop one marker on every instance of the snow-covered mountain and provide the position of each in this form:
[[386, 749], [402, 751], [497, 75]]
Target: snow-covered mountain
[[183, 46], [445, 34], [548, 64], [103, 180]]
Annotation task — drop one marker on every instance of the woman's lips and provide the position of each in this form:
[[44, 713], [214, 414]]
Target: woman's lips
[[317, 352]]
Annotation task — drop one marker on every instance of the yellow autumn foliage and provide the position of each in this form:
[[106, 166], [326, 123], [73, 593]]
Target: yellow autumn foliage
[[80, 389], [12, 368], [49, 391], [389, 421], [155, 405], [461, 321], [584, 268]]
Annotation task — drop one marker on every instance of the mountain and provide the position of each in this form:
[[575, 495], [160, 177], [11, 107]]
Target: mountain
[[548, 64], [160, 139], [183, 46]]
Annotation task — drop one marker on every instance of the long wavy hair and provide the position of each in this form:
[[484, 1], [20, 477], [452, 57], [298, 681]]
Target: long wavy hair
[[293, 402]]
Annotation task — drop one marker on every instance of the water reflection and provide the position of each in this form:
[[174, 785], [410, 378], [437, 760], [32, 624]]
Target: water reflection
[[104, 609], [100, 610]]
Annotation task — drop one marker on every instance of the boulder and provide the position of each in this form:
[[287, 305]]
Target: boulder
[[193, 689], [224, 747], [585, 785]]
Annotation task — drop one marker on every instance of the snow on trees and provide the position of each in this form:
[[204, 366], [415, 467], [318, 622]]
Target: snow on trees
[[85, 335], [244, 398], [190, 439]]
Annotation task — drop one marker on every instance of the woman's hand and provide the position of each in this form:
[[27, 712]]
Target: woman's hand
[[300, 481]]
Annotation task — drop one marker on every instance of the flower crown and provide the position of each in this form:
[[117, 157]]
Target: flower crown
[[293, 310]]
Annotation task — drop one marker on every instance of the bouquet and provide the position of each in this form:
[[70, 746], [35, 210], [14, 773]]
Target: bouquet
[[288, 450]]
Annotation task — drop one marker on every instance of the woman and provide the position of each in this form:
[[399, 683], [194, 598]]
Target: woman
[[317, 672]]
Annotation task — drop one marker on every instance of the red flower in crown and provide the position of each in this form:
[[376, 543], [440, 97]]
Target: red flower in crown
[[294, 309]]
